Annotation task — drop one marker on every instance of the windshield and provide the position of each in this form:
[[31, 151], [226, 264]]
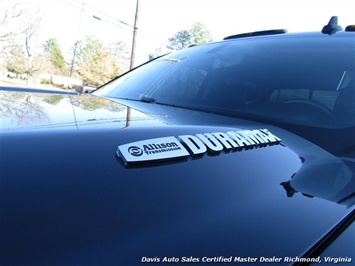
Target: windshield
[[307, 80]]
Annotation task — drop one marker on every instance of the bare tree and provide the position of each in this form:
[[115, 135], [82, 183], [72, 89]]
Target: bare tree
[[22, 54], [32, 26], [10, 12], [9, 15], [15, 62]]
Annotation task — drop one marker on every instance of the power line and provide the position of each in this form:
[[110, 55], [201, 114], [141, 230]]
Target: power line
[[104, 17]]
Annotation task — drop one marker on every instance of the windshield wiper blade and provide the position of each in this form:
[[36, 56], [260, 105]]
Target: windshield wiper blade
[[146, 99], [174, 60]]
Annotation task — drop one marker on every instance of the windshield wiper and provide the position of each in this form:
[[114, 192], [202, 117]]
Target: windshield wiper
[[170, 59], [146, 99]]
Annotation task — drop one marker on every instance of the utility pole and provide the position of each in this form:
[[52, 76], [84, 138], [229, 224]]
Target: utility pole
[[134, 41], [77, 41]]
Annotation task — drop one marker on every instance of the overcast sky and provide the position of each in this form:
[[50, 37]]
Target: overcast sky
[[69, 20]]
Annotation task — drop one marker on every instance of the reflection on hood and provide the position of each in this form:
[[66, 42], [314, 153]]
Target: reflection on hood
[[36, 110], [326, 177]]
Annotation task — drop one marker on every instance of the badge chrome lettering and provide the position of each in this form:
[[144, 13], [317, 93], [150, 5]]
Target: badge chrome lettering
[[152, 150], [180, 147]]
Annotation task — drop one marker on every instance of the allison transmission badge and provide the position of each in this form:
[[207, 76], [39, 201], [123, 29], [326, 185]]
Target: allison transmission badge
[[169, 148], [152, 150]]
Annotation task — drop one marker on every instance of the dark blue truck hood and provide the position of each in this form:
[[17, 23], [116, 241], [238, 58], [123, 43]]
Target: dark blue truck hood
[[68, 197]]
